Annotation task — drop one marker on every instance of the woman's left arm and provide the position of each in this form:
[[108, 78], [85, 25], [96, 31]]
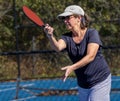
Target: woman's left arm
[[92, 49]]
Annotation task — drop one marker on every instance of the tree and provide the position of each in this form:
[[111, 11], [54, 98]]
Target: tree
[[105, 18]]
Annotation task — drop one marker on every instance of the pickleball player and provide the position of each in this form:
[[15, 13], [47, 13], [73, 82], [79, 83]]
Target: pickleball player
[[84, 48]]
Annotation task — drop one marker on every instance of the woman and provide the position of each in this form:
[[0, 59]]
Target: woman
[[84, 49]]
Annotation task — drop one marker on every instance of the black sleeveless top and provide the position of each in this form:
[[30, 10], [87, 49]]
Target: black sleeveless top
[[94, 72]]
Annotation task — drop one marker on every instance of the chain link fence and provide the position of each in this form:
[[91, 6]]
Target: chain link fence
[[40, 76]]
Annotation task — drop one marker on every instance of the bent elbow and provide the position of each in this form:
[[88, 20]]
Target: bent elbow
[[91, 58], [57, 49]]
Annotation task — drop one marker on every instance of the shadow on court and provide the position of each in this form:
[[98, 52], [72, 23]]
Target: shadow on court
[[49, 90]]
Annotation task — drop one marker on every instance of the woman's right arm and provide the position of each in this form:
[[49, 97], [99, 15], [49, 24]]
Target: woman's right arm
[[57, 45]]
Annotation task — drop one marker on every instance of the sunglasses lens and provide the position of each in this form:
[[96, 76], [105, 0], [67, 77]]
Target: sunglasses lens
[[65, 18]]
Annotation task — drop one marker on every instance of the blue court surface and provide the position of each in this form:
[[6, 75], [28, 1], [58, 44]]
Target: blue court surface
[[33, 90]]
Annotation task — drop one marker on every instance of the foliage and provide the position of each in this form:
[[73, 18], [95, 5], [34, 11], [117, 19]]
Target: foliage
[[16, 27], [6, 26], [99, 10]]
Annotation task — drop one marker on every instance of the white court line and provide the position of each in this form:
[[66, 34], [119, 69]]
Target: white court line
[[24, 99], [73, 88], [7, 89], [15, 87]]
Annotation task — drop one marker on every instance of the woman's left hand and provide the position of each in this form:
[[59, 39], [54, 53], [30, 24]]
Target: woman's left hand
[[68, 69]]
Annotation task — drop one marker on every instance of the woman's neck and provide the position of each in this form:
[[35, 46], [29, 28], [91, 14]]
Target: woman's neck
[[79, 33], [78, 37]]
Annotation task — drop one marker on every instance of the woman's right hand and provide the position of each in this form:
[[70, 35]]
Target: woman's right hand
[[49, 30]]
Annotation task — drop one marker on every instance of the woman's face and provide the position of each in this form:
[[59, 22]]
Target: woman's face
[[72, 22]]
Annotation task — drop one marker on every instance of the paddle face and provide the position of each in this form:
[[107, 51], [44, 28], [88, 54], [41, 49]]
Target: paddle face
[[33, 16]]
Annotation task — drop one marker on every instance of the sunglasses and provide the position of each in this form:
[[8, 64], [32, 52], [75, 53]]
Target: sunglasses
[[67, 17]]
